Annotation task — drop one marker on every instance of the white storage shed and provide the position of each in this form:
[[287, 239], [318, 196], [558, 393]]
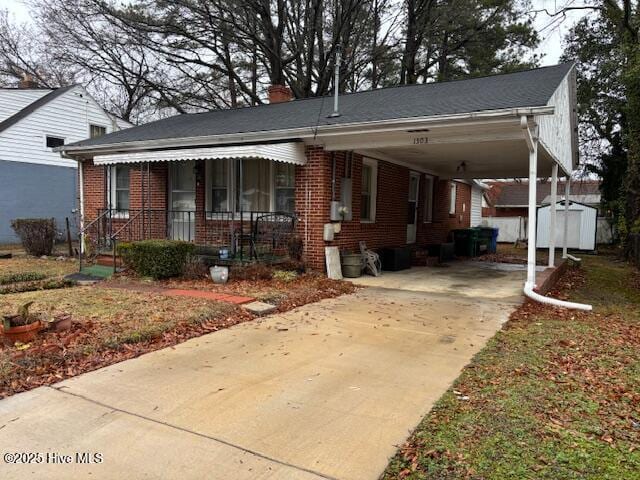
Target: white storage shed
[[582, 226]]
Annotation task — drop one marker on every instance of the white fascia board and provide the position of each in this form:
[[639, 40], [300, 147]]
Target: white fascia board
[[311, 134]]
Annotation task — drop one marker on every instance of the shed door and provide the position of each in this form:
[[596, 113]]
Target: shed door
[[573, 229], [412, 210]]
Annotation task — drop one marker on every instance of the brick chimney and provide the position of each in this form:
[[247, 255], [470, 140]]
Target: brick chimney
[[279, 94], [27, 82]]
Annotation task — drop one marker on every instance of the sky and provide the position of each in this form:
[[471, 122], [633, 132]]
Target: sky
[[551, 30]]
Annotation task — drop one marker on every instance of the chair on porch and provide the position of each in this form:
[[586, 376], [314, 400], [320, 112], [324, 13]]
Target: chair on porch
[[371, 260]]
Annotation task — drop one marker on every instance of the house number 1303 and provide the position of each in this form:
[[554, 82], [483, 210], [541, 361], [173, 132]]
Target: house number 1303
[[420, 140]]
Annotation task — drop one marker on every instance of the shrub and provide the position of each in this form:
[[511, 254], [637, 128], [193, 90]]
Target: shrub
[[21, 277], [156, 258], [36, 234], [31, 286]]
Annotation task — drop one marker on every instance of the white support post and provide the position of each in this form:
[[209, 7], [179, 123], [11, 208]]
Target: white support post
[[552, 216], [531, 240], [567, 193]]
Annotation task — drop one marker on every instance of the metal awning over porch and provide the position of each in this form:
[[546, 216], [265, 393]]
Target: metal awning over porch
[[289, 152]]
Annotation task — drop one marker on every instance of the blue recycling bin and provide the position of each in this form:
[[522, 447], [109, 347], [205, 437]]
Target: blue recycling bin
[[490, 236]]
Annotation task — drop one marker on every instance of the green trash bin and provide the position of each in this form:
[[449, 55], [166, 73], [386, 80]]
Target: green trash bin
[[465, 242]]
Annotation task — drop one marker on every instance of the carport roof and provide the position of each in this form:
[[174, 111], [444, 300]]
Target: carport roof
[[531, 88]]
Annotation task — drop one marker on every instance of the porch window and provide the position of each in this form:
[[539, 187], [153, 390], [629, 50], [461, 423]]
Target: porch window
[[368, 191], [254, 184], [285, 182], [219, 185], [428, 198], [453, 190], [254, 188], [120, 187]]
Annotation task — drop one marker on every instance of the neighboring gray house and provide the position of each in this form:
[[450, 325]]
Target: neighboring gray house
[[34, 180]]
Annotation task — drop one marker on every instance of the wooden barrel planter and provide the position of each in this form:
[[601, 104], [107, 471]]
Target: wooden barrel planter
[[351, 265]]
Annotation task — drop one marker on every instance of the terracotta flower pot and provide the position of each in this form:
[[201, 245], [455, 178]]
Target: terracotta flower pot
[[23, 333], [61, 323]]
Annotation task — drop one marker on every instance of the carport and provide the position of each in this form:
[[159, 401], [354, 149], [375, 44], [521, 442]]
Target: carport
[[533, 141]]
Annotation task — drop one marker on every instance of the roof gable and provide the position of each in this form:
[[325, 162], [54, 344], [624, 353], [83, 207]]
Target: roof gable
[[33, 106]]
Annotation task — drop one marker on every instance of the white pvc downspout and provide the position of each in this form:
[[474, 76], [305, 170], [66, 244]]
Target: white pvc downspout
[[530, 284]]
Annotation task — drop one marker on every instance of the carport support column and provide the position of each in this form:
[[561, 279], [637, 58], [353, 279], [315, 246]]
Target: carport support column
[[552, 215], [532, 143], [567, 193]]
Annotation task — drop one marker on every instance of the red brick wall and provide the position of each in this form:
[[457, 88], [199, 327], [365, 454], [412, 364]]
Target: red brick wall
[[390, 226], [313, 197]]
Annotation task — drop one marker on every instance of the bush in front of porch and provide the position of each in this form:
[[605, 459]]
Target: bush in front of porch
[[156, 258]]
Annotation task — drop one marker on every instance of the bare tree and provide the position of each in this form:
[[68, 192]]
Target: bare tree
[[22, 53]]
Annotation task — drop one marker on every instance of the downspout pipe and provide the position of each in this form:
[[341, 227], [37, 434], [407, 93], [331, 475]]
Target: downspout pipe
[[530, 284]]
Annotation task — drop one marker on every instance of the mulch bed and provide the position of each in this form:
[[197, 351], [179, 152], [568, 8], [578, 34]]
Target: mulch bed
[[54, 357]]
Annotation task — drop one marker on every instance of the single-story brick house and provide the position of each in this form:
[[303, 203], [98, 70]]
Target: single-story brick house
[[394, 166]]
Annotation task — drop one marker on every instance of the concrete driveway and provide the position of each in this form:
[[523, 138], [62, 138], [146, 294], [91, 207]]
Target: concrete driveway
[[326, 391]]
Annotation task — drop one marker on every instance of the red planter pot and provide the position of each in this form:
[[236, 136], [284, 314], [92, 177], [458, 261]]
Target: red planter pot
[[24, 333]]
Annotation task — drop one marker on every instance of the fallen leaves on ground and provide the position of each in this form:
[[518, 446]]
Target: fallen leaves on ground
[[554, 395]]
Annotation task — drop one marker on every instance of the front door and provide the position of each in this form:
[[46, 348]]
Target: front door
[[412, 210], [182, 200]]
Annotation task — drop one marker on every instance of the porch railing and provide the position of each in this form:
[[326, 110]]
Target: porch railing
[[245, 236]]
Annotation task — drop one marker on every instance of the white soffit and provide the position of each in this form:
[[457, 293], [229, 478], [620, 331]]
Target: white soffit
[[291, 152]]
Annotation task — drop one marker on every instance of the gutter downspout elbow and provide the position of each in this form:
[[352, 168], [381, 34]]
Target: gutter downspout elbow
[[533, 295]]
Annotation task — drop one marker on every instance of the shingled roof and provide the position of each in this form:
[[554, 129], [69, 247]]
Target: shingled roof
[[531, 88]]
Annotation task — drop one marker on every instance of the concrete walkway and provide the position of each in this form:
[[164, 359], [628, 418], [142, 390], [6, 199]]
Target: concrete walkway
[[325, 391]]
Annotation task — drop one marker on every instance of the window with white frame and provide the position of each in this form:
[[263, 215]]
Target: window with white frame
[[453, 189], [120, 187], [428, 198], [53, 142], [96, 131], [250, 185], [368, 191]]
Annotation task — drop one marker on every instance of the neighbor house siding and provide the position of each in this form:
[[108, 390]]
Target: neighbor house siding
[[67, 116], [35, 191]]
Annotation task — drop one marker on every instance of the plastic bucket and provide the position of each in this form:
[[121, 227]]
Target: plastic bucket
[[352, 265]]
